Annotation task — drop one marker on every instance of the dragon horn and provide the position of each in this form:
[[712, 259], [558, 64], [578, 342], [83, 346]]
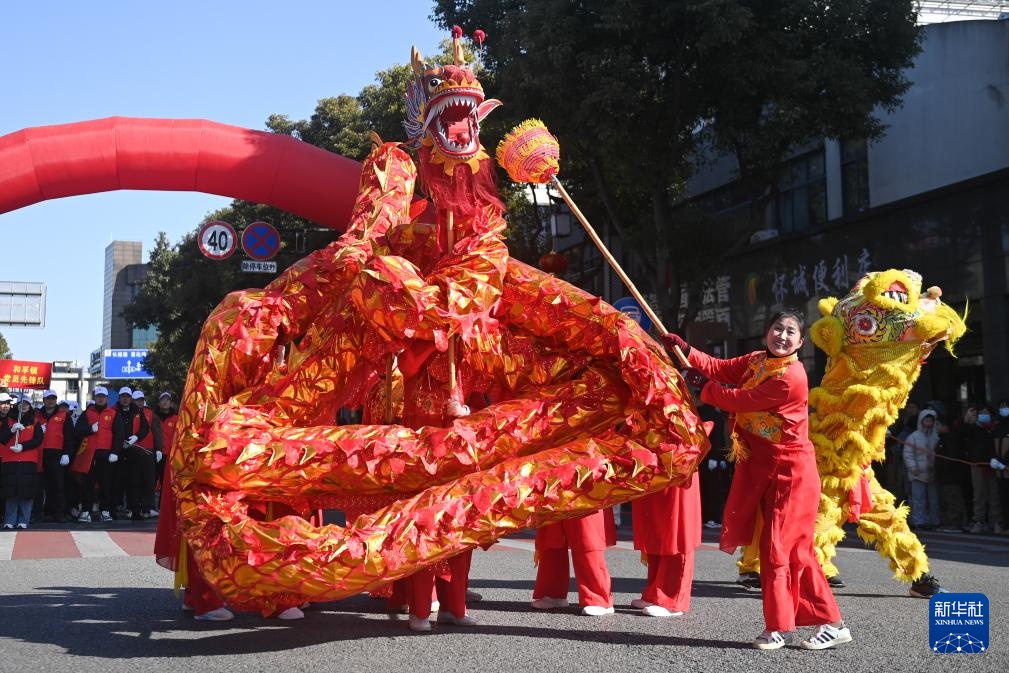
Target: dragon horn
[[417, 62]]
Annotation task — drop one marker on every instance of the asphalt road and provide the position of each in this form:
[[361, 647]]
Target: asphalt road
[[111, 611]]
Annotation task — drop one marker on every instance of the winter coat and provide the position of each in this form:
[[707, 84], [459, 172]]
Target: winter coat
[[919, 449]]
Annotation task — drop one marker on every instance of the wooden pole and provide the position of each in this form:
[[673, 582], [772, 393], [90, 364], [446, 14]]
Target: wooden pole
[[616, 266], [450, 235]]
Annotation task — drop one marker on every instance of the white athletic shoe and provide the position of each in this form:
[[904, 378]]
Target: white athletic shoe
[[771, 640], [827, 636], [419, 624], [640, 603], [291, 613], [218, 615], [659, 611], [547, 603], [596, 611], [446, 617]]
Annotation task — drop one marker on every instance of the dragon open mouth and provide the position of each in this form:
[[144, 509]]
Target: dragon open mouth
[[453, 122], [897, 292]]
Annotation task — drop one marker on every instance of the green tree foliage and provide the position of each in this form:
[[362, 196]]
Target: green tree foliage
[[627, 86], [5, 349]]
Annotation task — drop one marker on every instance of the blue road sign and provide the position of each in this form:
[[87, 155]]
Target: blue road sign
[[632, 308], [125, 363], [260, 241]]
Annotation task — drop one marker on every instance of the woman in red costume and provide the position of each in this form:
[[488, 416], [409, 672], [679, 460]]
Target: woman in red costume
[[775, 474]]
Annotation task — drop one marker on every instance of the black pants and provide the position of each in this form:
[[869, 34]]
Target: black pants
[[54, 476], [714, 490], [138, 470], [100, 474]]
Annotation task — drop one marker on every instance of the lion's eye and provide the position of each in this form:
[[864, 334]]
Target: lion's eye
[[866, 324], [433, 83]]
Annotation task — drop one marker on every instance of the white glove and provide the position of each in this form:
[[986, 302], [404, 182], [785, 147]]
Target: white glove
[[17, 448], [113, 458], [17, 427], [712, 464], [157, 456], [455, 409], [724, 465], [64, 461], [94, 427], [132, 439], [997, 464], [44, 427]]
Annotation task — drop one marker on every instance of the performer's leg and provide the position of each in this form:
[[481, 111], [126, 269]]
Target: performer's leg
[[669, 581], [749, 561], [199, 595], [452, 593], [419, 589], [552, 575], [885, 527], [593, 578]]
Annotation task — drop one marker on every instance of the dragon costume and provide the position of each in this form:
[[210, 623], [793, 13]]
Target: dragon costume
[[588, 411], [877, 337]]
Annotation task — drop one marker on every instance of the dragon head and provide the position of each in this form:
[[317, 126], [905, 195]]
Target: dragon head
[[887, 309], [445, 105]]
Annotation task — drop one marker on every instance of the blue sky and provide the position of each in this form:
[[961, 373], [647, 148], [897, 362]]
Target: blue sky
[[231, 62]]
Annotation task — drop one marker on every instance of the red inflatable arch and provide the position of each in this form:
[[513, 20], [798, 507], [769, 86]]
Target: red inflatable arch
[[49, 162]]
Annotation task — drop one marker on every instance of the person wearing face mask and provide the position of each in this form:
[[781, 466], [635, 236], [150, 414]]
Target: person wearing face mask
[[978, 436], [1001, 461], [919, 458], [776, 476]]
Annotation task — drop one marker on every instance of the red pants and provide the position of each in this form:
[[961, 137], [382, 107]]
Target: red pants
[[451, 593], [795, 589], [198, 594], [669, 581], [591, 575]]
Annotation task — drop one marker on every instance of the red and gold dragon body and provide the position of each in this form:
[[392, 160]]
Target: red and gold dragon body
[[588, 411]]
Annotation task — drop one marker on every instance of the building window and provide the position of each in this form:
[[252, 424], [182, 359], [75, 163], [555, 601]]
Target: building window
[[73, 386], [802, 193], [854, 176]]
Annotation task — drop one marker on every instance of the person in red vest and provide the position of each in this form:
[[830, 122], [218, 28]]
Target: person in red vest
[[132, 439], [20, 459], [168, 418], [57, 448], [94, 428], [587, 537]]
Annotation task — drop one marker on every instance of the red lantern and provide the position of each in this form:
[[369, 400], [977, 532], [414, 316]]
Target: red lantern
[[554, 262]]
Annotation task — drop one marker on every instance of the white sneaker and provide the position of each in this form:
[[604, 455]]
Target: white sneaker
[[596, 611], [446, 617], [547, 603], [827, 636], [85, 517], [712, 524], [106, 516], [218, 615], [153, 514], [291, 613], [640, 603], [659, 611], [419, 624], [771, 640], [23, 526]]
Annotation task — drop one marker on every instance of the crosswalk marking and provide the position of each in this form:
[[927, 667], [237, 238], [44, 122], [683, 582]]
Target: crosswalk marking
[[6, 545], [96, 544]]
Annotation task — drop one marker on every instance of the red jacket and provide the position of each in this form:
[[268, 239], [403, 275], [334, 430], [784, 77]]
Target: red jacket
[[101, 440], [30, 440], [59, 432]]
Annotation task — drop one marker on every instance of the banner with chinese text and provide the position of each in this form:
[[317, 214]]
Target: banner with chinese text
[[25, 374]]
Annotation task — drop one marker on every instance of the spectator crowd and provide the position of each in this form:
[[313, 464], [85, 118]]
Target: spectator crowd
[[61, 463]]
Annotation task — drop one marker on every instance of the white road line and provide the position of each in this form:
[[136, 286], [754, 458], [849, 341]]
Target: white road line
[[96, 544], [6, 545]]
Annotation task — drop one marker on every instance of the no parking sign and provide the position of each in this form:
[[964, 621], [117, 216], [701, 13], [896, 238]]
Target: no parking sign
[[260, 241]]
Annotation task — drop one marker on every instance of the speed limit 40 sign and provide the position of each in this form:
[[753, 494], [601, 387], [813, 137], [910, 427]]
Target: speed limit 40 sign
[[218, 240]]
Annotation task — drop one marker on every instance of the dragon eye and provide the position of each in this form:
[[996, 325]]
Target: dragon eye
[[433, 83], [866, 324]]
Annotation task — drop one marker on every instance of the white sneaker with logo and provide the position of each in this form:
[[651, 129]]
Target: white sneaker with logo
[[827, 636], [106, 516], [771, 640]]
